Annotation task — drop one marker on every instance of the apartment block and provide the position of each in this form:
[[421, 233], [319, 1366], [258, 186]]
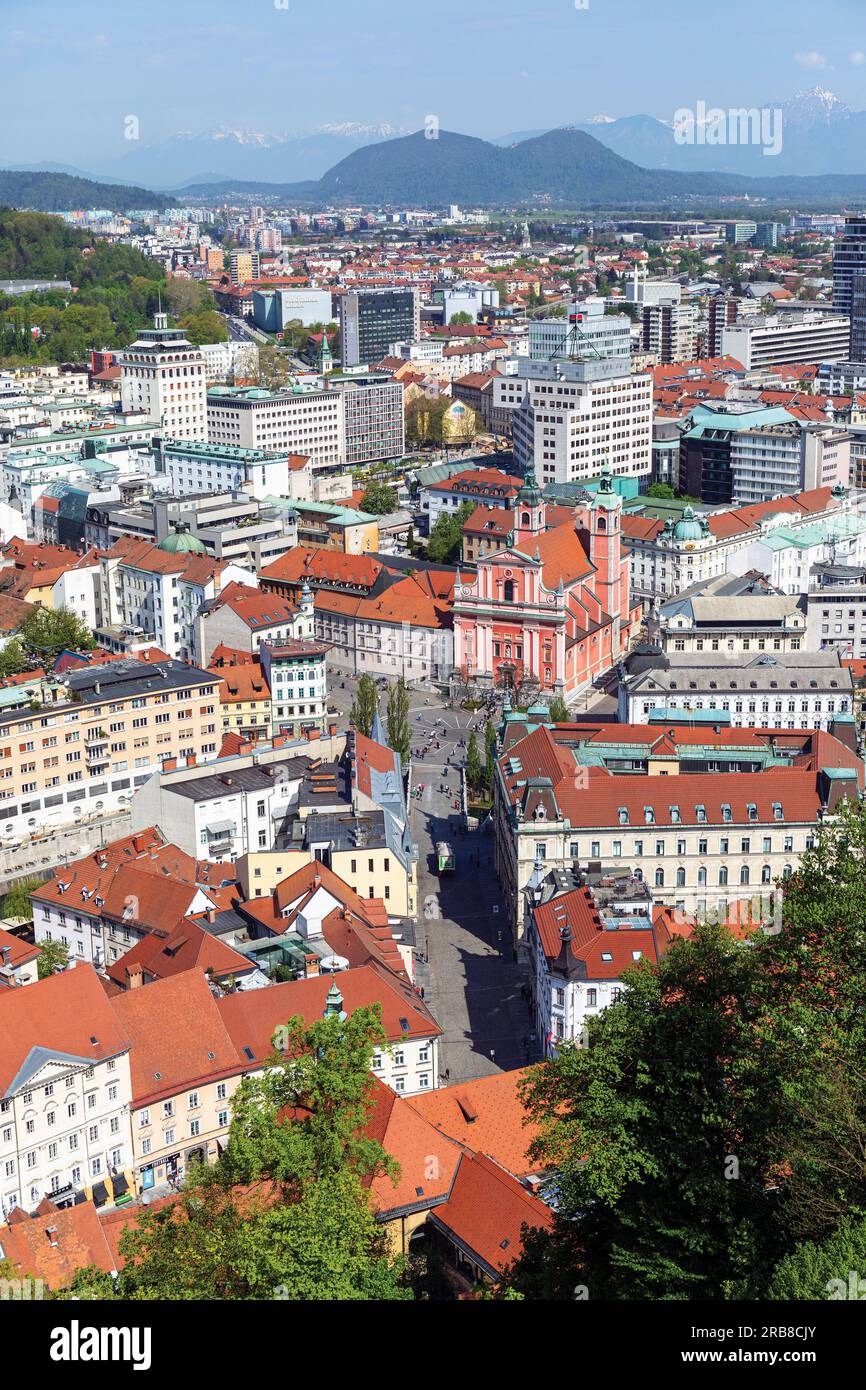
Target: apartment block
[[96, 735], [163, 378]]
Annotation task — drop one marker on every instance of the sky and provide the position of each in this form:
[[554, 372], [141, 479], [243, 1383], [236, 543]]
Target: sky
[[73, 71]]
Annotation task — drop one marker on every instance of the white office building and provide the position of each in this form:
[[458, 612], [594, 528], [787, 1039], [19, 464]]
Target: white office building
[[579, 419], [163, 377], [813, 335]]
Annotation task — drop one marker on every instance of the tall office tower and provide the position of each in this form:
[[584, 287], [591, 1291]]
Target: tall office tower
[[372, 319], [163, 375], [578, 419], [849, 262]]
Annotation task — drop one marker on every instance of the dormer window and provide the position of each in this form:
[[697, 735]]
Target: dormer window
[[675, 815], [649, 815], [623, 815], [726, 812], [753, 811], [777, 810], [701, 813]]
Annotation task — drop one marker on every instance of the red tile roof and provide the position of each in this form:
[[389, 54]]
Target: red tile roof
[[55, 1243], [178, 1038], [67, 1012], [485, 1115], [188, 947], [487, 1211], [252, 1016]]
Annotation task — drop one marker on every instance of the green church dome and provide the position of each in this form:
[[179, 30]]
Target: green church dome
[[181, 542], [688, 528]]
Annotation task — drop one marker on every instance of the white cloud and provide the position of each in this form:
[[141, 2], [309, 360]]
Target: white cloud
[[811, 60], [858, 57]]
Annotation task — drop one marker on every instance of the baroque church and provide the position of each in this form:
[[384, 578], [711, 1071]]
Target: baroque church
[[555, 605]]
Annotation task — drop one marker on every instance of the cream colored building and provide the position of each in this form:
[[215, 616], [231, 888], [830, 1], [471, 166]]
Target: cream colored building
[[98, 734]]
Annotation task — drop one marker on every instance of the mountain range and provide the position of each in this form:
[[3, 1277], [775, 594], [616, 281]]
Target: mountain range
[[228, 152], [570, 167], [820, 135], [567, 167]]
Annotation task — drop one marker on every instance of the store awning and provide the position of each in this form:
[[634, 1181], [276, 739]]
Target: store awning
[[100, 1194], [119, 1185]]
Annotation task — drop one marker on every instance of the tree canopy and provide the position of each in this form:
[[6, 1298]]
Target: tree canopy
[[285, 1212], [712, 1134]]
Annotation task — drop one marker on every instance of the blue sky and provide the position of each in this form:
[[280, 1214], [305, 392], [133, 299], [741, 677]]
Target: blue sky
[[72, 70]]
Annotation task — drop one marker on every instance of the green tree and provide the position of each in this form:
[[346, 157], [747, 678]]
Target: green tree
[[183, 297], [11, 659], [461, 318], [46, 632], [811, 1004], [446, 537], [820, 1270], [285, 1213], [398, 719], [16, 903], [489, 754], [379, 499], [365, 705], [53, 953], [665, 1133], [660, 490], [557, 710], [206, 326], [474, 770], [275, 369]]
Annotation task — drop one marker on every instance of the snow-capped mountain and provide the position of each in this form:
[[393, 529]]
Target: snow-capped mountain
[[815, 107], [821, 134], [242, 152]]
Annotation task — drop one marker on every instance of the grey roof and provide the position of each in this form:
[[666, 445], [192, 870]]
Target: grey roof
[[118, 679], [254, 778], [783, 671], [37, 1058]]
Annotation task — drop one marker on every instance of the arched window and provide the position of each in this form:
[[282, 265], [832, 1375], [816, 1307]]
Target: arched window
[[660, 878], [723, 876], [744, 874], [765, 874], [702, 877], [509, 591], [602, 524], [787, 871], [526, 519], [681, 878]]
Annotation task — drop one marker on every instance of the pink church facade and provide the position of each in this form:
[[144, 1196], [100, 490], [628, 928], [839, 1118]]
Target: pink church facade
[[555, 606]]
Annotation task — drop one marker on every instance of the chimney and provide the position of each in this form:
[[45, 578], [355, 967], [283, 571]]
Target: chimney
[[191, 760], [169, 764], [332, 729], [311, 966], [7, 955], [136, 976], [211, 915]]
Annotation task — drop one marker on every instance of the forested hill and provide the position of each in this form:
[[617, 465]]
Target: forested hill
[[115, 290], [47, 192]]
